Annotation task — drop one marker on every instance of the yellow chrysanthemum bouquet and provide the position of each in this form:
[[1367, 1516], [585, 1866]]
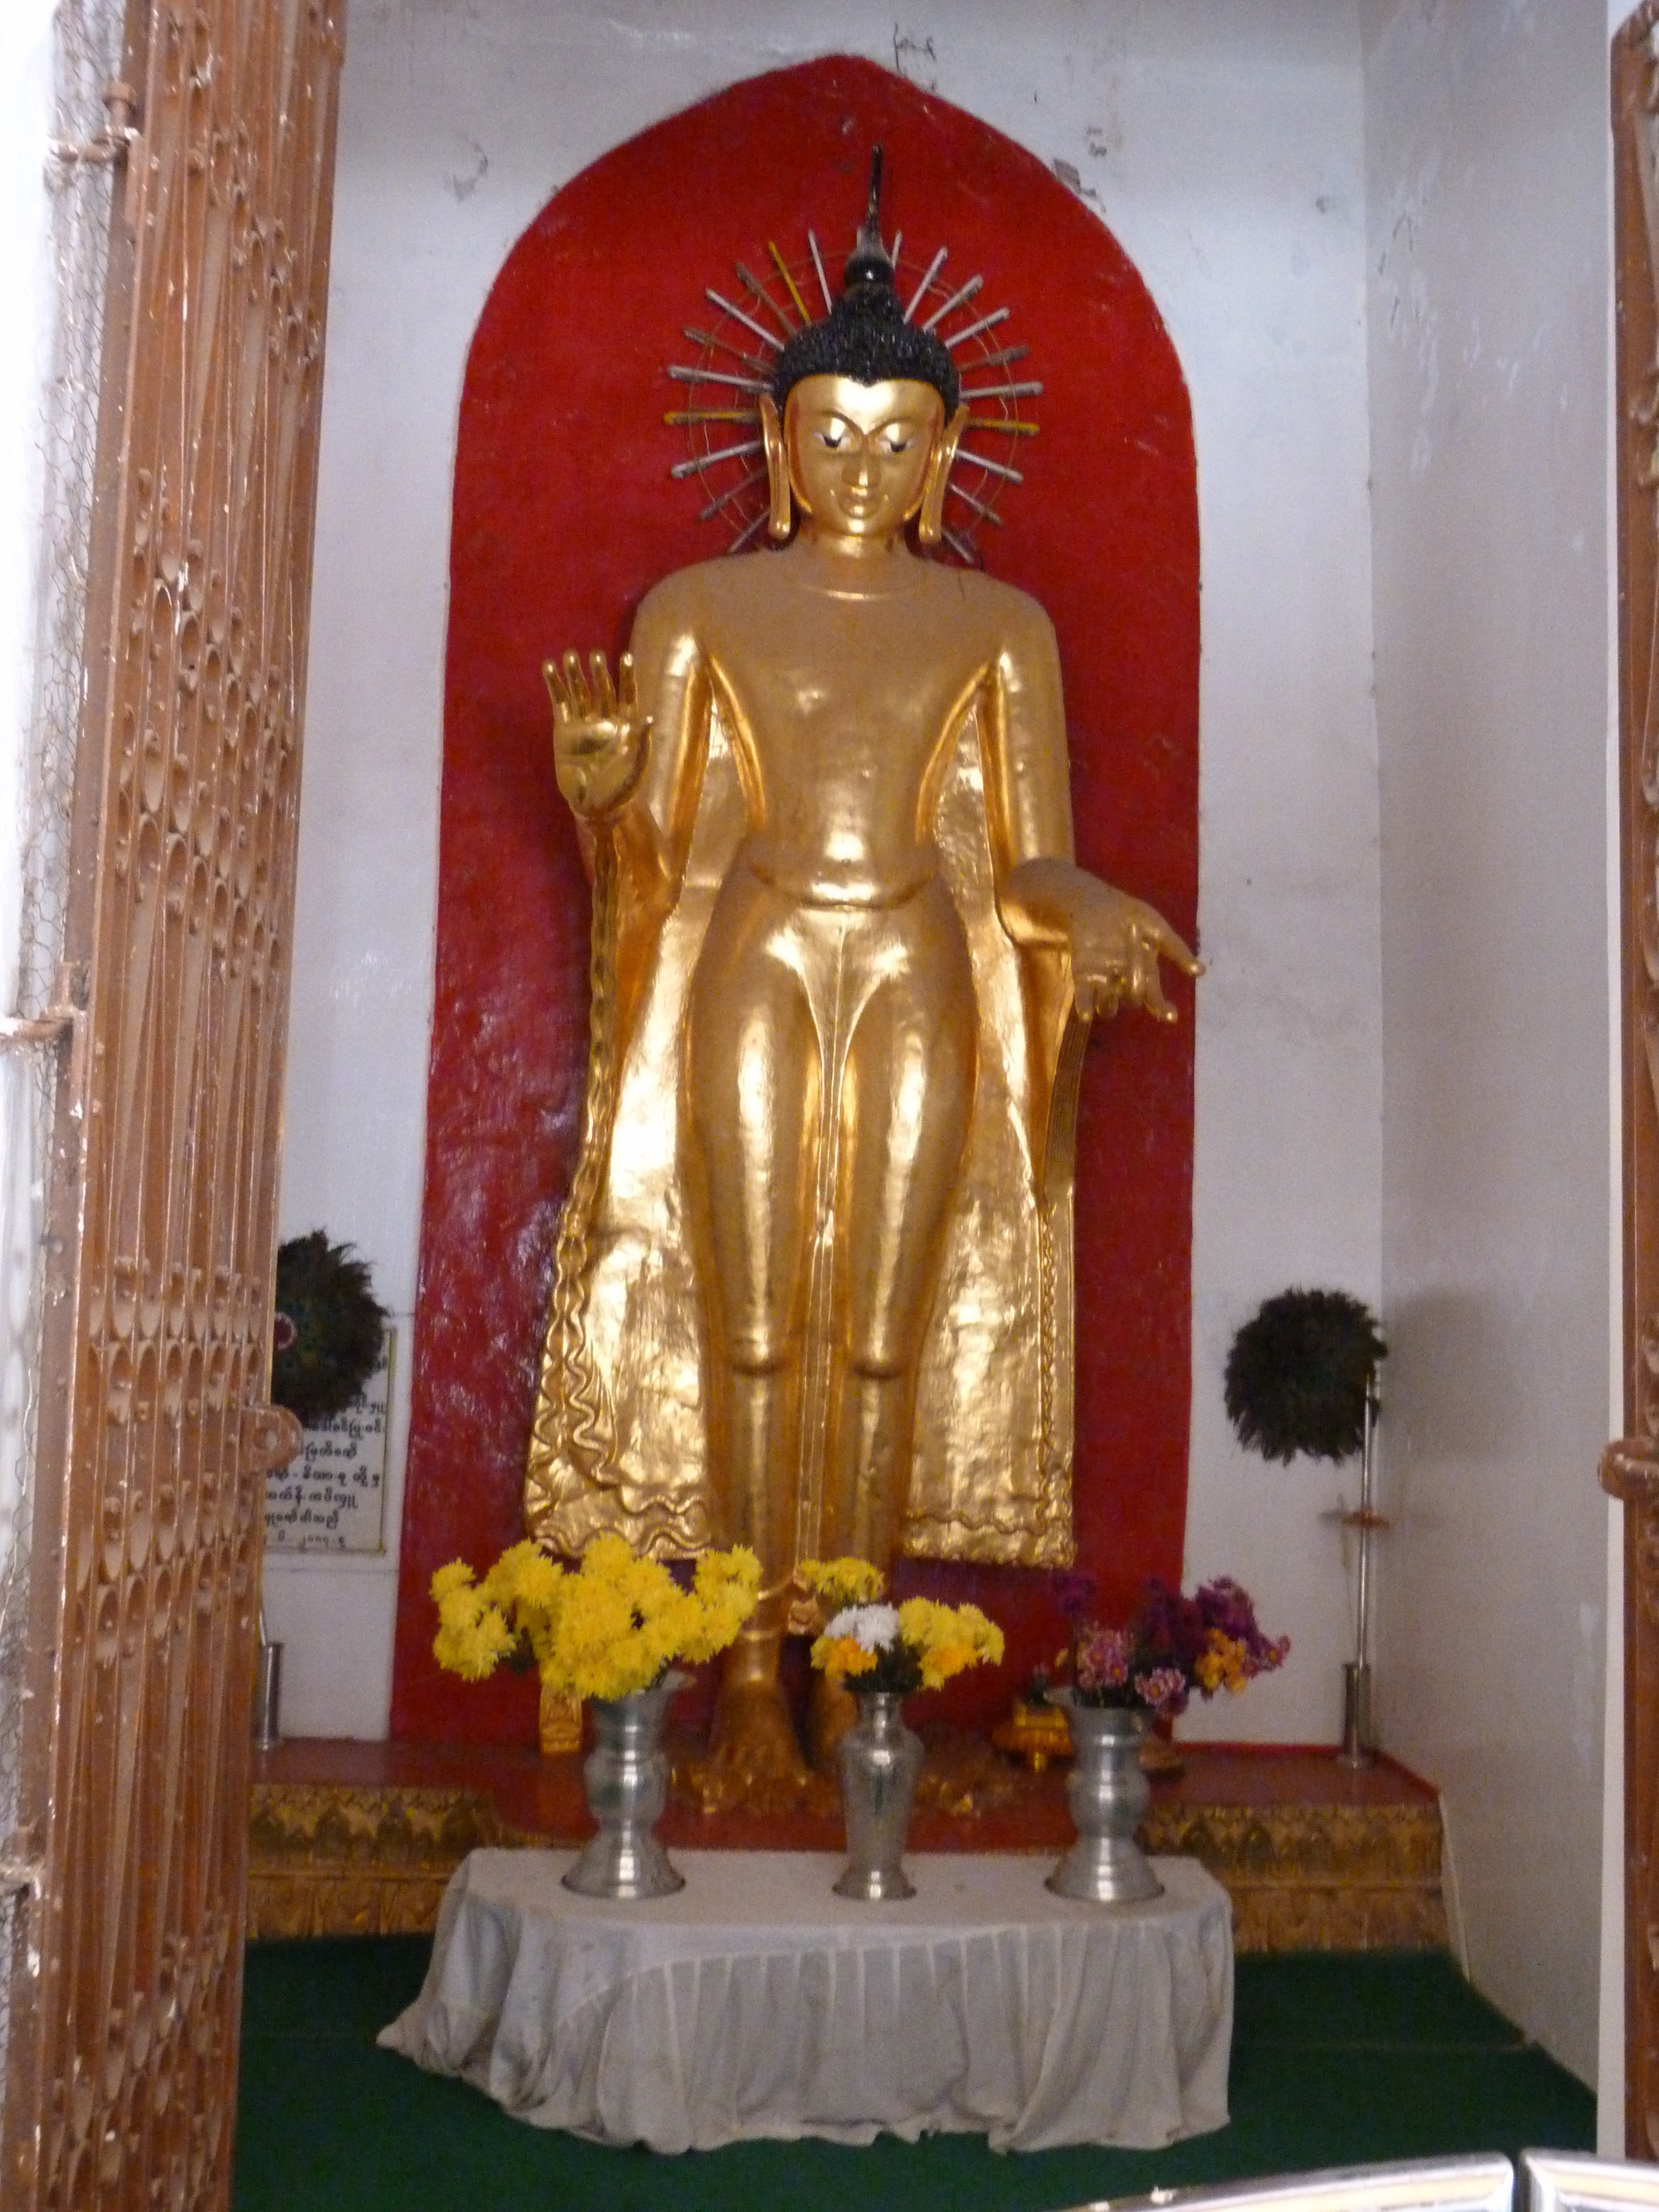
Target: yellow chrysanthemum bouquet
[[611, 1626], [872, 1645]]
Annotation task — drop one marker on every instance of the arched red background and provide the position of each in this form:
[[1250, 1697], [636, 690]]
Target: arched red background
[[564, 515]]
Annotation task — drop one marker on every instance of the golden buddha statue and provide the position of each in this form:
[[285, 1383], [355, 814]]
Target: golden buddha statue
[[813, 1282]]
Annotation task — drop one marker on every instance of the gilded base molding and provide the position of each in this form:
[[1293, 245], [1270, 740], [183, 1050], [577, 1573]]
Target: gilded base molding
[[332, 1859], [1317, 1877], [1356, 1845], [329, 1859]]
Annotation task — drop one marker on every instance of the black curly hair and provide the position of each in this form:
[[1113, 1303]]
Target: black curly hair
[[865, 334]]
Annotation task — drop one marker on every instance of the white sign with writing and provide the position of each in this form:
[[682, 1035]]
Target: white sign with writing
[[332, 1497]]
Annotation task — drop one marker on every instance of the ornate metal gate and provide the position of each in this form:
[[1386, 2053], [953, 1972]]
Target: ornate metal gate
[[126, 1973]]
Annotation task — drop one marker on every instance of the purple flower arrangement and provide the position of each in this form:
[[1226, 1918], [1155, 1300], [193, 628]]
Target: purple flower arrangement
[[1172, 1645]]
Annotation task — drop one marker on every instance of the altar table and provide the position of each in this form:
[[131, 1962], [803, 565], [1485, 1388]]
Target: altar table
[[756, 2003]]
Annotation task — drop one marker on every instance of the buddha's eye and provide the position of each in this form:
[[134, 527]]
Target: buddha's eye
[[833, 439]]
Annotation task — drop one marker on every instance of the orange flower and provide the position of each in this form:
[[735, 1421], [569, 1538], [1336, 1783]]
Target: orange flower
[[842, 1655]]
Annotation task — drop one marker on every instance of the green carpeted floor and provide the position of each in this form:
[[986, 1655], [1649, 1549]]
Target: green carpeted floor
[[1335, 2061]]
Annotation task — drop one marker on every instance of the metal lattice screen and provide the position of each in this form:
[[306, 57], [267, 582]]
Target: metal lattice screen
[[78, 177]]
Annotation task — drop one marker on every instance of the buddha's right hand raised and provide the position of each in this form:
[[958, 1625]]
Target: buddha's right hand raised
[[599, 736]]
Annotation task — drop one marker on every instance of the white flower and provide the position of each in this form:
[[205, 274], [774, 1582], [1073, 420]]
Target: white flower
[[872, 1627]]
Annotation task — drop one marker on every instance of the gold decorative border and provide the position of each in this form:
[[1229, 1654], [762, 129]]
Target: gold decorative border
[[327, 1859], [1317, 1877], [1357, 1846]]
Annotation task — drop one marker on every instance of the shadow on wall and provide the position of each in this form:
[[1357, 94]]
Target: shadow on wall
[[1449, 1386]]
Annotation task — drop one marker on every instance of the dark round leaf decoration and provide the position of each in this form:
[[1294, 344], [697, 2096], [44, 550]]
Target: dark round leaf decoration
[[328, 1329], [1298, 1373]]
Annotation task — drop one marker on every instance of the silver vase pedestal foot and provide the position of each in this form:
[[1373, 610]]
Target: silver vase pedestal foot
[[1358, 1741], [1108, 1794], [625, 1777], [879, 1763], [267, 1695]]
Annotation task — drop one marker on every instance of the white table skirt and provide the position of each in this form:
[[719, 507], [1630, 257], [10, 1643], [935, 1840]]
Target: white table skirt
[[758, 2003]]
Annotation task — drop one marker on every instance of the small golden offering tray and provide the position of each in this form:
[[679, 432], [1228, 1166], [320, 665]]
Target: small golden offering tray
[[1035, 1734]]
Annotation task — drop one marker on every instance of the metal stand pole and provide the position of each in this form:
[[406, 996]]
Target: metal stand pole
[[267, 1689], [1358, 1740]]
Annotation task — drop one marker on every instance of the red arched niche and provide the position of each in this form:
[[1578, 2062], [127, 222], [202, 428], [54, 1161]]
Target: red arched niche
[[564, 515]]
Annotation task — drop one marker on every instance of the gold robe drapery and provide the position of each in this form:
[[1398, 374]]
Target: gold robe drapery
[[619, 1440]]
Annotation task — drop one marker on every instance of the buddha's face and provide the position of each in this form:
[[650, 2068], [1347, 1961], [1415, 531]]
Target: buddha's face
[[858, 454]]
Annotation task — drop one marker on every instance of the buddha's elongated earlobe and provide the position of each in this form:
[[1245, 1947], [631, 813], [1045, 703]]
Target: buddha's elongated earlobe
[[930, 521], [779, 517]]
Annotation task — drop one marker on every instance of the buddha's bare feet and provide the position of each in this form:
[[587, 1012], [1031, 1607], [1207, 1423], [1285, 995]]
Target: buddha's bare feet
[[833, 1710], [754, 1760]]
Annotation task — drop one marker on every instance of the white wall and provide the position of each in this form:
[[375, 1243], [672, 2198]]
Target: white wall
[[1488, 226], [1225, 148], [25, 104], [26, 286], [26, 84]]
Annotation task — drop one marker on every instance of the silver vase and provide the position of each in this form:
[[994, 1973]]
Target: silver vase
[[625, 1777], [879, 1762], [1108, 1794]]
